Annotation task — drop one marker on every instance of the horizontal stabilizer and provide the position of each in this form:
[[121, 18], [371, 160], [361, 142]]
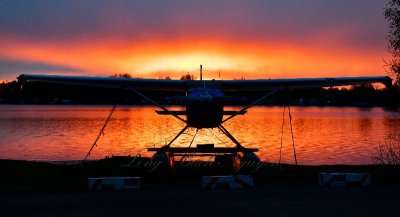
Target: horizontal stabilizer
[[184, 112], [221, 99], [169, 113]]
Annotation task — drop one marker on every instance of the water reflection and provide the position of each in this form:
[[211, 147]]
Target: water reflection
[[322, 135]]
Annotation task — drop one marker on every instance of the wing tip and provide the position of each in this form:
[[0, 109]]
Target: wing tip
[[21, 78]]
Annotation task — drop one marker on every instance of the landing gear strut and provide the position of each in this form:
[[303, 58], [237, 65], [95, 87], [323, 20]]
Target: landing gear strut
[[223, 155]]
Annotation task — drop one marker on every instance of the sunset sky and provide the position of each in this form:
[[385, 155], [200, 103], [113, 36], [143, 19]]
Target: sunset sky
[[156, 38]]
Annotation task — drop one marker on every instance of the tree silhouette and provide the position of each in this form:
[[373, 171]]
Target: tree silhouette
[[187, 77], [125, 75], [392, 15]]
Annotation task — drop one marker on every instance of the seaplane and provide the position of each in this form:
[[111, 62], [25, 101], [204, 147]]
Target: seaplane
[[204, 101]]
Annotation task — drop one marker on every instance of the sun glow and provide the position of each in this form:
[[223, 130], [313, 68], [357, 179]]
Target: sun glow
[[186, 62], [156, 59]]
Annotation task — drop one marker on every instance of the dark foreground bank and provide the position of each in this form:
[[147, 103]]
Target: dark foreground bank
[[43, 189], [268, 200], [28, 176]]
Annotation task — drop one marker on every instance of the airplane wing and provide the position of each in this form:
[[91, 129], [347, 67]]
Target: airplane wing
[[110, 82], [223, 85], [300, 83]]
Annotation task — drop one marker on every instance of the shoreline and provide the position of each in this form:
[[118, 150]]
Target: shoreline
[[389, 107]]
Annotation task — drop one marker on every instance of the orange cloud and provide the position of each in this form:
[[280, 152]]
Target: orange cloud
[[231, 58]]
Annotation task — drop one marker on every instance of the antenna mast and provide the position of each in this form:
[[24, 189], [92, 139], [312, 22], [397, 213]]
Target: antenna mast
[[201, 72]]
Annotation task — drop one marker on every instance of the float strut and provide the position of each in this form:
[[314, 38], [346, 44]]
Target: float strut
[[180, 133], [225, 131]]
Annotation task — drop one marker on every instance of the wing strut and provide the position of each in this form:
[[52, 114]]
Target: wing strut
[[251, 105], [156, 104]]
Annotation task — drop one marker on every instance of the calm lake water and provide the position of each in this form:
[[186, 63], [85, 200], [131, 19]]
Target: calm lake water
[[322, 135]]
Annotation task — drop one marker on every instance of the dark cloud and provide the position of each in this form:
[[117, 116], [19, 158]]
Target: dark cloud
[[10, 69], [293, 21]]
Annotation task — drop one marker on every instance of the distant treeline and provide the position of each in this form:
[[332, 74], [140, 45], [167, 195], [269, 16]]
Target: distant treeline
[[40, 93]]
